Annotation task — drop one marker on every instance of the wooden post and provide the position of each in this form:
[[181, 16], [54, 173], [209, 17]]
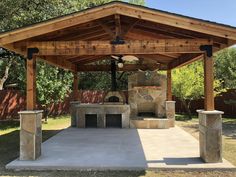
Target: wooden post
[[208, 83], [169, 90], [31, 84], [75, 87]]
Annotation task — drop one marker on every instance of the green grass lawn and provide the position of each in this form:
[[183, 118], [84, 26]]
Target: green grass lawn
[[9, 150]]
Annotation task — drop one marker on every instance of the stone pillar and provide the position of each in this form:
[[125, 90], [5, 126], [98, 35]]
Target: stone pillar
[[30, 134], [210, 135], [170, 112], [73, 113]]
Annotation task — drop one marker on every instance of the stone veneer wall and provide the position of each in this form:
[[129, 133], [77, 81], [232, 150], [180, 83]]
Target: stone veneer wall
[[147, 93]]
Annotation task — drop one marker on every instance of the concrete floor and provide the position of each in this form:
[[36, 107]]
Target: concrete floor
[[113, 149]]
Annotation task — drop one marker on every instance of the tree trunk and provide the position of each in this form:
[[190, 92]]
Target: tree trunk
[[187, 108], [6, 74]]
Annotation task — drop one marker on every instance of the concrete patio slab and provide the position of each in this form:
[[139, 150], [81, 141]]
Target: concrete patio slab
[[119, 149]]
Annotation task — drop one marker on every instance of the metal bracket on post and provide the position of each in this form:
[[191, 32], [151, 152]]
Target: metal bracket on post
[[31, 51], [208, 49]]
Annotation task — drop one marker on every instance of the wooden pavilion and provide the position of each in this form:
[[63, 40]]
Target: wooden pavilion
[[161, 40]]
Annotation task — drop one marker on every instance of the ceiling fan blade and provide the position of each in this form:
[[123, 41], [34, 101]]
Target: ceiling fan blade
[[130, 58]]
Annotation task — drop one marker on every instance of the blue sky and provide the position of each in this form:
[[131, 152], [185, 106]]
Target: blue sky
[[221, 11]]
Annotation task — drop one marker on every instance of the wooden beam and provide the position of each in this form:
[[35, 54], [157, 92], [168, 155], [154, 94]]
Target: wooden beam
[[118, 25], [31, 84], [58, 62], [75, 87], [169, 85], [209, 83], [130, 47], [127, 67]]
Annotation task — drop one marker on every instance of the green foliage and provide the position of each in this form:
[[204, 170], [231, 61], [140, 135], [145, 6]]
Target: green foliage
[[188, 84], [16, 75], [225, 64], [53, 84], [102, 81], [188, 81]]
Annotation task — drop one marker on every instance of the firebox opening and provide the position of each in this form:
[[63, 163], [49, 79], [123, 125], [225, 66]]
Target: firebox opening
[[146, 114], [91, 121], [113, 99], [113, 121]]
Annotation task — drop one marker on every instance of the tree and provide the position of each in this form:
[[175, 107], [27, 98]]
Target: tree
[[7, 59], [225, 62], [53, 85], [188, 84]]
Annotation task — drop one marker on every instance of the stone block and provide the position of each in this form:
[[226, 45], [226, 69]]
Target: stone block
[[150, 124], [210, 135], [30, 134], [170, 112], [73, 112]]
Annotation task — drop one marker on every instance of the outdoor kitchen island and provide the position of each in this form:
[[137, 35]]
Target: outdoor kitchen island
[[100, 115]]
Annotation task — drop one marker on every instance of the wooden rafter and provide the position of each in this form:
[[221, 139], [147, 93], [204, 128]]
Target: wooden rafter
[[130, 47], [118, 25], [184, 60], [107, 30], [58, 62], [178, 33], [129, 27]]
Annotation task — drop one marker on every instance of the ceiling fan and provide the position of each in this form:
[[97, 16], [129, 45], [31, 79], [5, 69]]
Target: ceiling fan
[[122, 59]]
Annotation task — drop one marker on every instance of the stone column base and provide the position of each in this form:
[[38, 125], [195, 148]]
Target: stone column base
[[170, 112], [73, 112], [30, 134], [210, 135]]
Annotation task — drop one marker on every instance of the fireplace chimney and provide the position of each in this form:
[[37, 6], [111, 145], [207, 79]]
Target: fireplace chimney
[[113, 76]]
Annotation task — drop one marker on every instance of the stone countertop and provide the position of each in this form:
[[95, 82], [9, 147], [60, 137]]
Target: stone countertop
[[101, 105]]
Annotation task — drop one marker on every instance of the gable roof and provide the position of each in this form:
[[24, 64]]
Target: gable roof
[[122, 8], [137, 22]]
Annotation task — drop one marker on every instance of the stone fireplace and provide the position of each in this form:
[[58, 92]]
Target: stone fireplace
[[147, 100], [147, 95]]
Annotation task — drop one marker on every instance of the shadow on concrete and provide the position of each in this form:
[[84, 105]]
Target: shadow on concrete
[[179, 161], [100, 149], [9, 143]]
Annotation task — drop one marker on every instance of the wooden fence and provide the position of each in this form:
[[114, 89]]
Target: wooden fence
[[13, 101]]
